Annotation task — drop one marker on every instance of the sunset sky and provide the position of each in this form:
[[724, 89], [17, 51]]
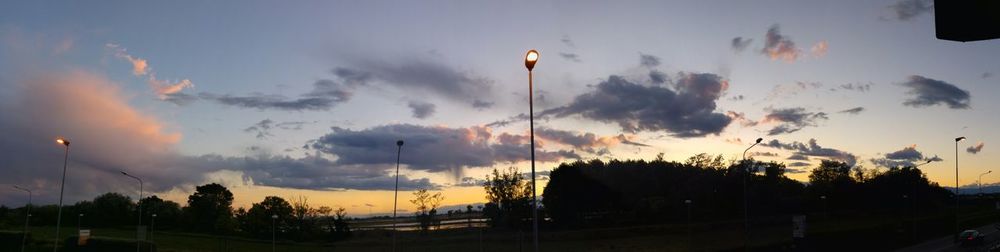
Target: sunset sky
[[307, 98]]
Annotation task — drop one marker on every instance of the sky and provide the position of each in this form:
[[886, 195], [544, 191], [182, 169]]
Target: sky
[[308, 98]]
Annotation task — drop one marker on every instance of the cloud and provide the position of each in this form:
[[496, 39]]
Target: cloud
[[686, 110], [422, 77], [647, 60], [853, 111], [108, 135], [262, 128], [986, 75], [741, 118], [798, 164], [470, 182], [819, 49], [905, 157], [585, 141], [779, 47], [975, 149], [792, 119], [658, 77], [139, 66], [812, 149], [739, 44], [865, 87], [430, 148], [421, 110], [783, 91], [763, 154], [570, 56], [567, 41], [798, 157], [325, 95], [905, 10], [930, 92], [164, 90]]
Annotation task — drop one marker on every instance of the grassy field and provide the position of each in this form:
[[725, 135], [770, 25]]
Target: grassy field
[[771, 234]]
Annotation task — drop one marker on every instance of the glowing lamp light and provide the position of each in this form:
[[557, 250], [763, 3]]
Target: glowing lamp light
[[530, 59]]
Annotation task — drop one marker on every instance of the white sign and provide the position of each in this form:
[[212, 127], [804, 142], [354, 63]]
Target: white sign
[[83, 237]]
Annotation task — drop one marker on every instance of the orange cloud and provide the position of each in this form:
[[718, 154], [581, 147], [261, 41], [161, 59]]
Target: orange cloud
[[139, 66], [819, 49]]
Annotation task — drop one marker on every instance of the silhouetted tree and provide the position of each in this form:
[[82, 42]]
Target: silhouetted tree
[[209, 209], [168, 213], [427, 204], [571, 197], [257, 220], [509, 196]]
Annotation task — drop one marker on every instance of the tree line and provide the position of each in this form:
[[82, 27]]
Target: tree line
[[209, 210], [635, 192]]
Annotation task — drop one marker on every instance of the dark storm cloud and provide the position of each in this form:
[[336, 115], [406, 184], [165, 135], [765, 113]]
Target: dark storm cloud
[[739, 44], [325, 95], [853, 111], [687, 110], [792, 119], [929, 92], [428, 148], [647, 60], [907, 9], [422, 76], [570, 56], [421, 110], [975, 149], [812, 149]]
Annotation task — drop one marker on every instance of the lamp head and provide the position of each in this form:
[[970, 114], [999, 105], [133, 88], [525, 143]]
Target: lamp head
[[62, 141], [399, 143], [530, 59], [759, 139], [274, 216], [957, 139]]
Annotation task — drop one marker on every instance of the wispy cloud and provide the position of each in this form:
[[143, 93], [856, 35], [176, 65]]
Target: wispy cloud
[[421, 110], [813, 149], [790, 120], [165, 90], [905, 10], [739, 44], [853, 111]]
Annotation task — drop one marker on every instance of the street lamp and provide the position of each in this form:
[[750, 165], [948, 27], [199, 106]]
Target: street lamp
[[152, 224], [980, 182], [687, 203], [395, 196], [27, 217], [826, 212], [529, 62], [274, 218], [62, 188], [957, 139], [746, 198], [139, 206]]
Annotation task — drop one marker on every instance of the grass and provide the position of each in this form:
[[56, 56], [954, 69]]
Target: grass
[[715, 236]]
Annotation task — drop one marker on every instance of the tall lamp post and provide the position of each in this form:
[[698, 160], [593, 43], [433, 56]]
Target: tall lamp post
[[62, 188], [27, 217], [529, 61], [980, 181], [746, 198], [274, 219], [395, 197], [957, 228], [152, 225], [139, 206]]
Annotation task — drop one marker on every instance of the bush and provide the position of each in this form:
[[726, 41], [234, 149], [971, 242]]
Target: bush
[[103, 244], [11, 241]]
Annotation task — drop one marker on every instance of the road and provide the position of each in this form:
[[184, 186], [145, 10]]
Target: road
[[946, 243]]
